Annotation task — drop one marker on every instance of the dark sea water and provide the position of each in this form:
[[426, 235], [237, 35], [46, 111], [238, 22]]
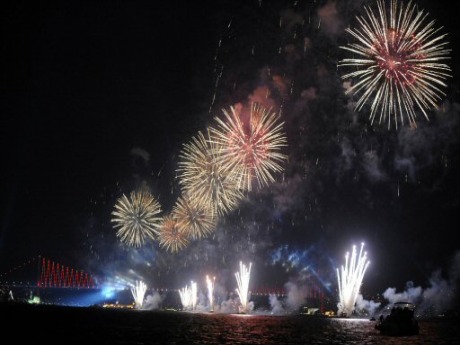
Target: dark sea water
[[45, 324]]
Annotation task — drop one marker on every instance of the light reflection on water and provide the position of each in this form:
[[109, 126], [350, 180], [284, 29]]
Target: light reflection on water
[[123, 326]]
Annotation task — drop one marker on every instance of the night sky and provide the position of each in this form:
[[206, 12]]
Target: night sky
[[99, 97]]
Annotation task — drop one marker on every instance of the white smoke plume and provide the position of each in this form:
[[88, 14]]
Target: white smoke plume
[[152, 302], [438, 298]]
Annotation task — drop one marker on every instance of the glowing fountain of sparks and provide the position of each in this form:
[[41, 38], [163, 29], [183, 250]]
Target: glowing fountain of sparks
[[398, 62], [350, 278], [194, 293], [138, 292], [188, 296], [210, 284], [185, 297], [242, 278]]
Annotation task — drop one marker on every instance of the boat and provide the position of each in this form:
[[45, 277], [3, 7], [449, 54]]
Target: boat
[[400, 321]]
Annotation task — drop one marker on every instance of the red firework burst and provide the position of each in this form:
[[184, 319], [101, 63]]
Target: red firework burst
[[251, 148], [399, 64]]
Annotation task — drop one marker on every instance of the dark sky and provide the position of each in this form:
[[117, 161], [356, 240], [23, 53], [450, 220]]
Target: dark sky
[[98, 97]]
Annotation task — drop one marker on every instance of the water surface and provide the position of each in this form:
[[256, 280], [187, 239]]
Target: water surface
[[64, 325]]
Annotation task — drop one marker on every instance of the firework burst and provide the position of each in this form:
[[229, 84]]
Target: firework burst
[[204, 179], [170, 236], [136, 218], [251, 148], [399, 63], [193, 219]]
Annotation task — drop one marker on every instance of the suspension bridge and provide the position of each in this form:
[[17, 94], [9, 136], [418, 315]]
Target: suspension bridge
[[40, 274], [45, 273]]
